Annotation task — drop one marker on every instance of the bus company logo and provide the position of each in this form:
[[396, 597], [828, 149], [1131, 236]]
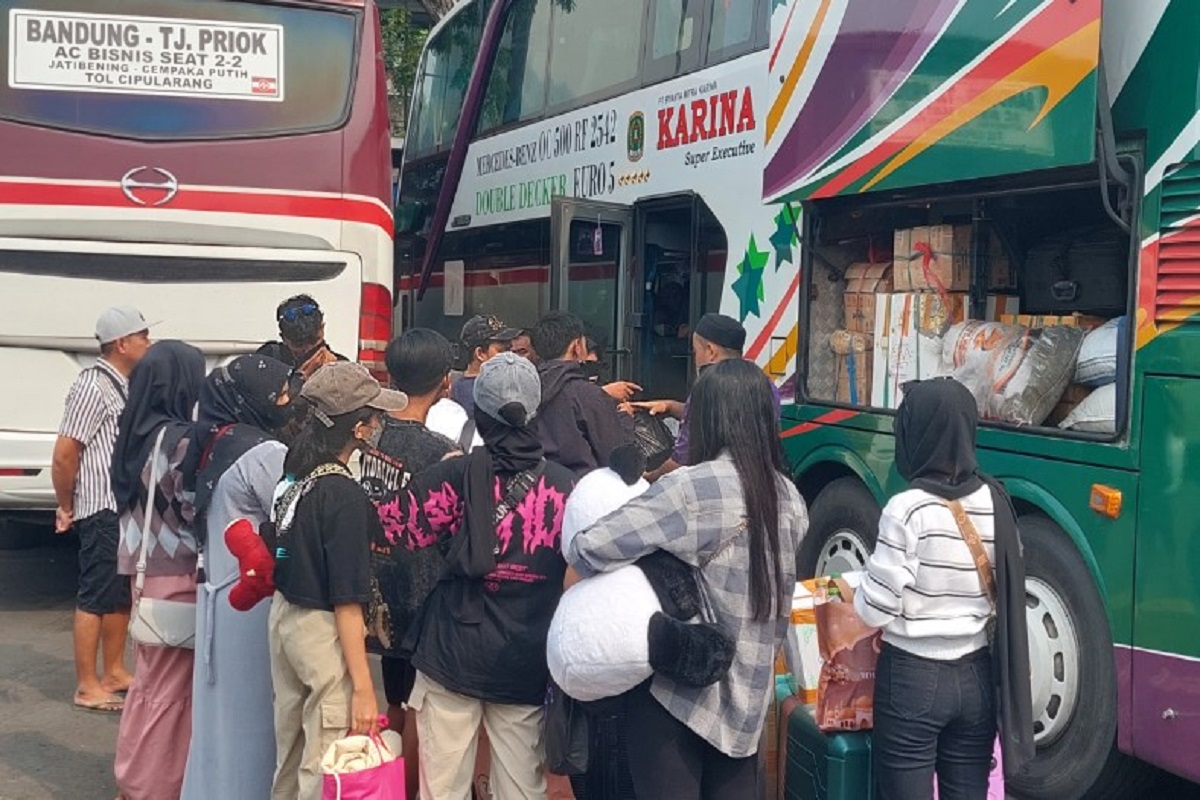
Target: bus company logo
[[635, 137], [718, 115], [264, 86], [140, 187]]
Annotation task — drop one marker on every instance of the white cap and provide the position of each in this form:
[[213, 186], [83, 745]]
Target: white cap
[[119, 322]]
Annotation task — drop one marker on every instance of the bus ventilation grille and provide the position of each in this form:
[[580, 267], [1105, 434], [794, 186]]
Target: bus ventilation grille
[[1177, 295]]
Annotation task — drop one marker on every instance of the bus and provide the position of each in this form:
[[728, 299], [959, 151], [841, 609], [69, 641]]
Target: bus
[[199, 160], [788, 163]]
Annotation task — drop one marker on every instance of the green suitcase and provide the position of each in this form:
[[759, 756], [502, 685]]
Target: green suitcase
[[819, 766]]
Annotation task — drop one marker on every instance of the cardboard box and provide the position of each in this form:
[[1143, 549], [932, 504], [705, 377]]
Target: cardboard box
[[1073, 396], [1083, 321], [863, 283], [999, 269], [800, 647], [854, 355], [1002, 305], [910, 328], [901, 250], [937, 259]]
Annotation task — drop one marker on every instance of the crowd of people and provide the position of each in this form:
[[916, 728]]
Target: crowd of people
[[466, 475]]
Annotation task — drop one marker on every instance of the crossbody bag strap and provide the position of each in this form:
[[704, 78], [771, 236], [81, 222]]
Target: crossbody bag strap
[[518, 487], [115, 383], [139, 582], [466, 437], [983, 565]]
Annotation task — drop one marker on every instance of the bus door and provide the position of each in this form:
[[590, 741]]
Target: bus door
[[682, 261], [591, 271]]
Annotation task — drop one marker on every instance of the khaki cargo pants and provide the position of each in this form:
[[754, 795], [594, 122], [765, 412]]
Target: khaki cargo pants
[[312, 695], [448, 728]]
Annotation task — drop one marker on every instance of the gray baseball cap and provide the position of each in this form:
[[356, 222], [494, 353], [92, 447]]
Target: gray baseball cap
[[506, 379], [119, 322], [343, 386]]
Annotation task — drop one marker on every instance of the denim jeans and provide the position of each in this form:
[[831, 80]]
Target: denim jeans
[[933, 716]]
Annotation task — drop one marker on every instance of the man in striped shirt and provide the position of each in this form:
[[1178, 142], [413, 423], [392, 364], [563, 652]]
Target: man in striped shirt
[[82, 457]]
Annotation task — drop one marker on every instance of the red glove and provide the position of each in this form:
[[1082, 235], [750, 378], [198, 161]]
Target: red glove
[[256, 566]]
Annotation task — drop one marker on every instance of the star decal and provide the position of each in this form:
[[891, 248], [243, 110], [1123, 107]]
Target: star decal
[[784, 236], [749, 285]]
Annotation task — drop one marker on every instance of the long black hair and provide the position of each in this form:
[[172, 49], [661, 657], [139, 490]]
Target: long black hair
[[733, 410], [315, 444]]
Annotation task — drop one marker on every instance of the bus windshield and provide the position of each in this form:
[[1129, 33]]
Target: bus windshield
[[176, 69]]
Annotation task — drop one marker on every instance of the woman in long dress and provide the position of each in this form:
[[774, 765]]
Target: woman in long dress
[[156, 724], [235, 463]]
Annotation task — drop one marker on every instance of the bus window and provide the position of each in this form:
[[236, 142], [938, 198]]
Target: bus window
[[595, 51], [517, 88], [674, 39], [133, 94], [442, 85], [732, 29]]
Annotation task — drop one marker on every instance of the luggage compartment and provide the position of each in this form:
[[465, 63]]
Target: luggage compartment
[[893, 281]]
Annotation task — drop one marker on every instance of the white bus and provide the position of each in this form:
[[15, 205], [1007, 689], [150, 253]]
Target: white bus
[[194, 160]]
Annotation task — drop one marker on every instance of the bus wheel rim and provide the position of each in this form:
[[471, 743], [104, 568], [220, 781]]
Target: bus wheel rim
[[845, 551], [1053, 658]]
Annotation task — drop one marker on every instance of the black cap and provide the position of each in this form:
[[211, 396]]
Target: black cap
[[483, 329], [722, 331]]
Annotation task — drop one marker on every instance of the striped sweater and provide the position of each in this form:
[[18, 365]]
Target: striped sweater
[[921, 585]]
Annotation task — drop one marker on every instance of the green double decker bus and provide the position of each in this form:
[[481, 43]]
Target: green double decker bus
[[1051, 150]]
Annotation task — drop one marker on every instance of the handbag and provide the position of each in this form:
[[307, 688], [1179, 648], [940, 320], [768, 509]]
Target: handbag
[[156, 622], [850, 651], [362, 768], [566, 733]]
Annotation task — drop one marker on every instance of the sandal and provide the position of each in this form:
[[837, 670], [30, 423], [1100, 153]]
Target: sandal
[[108, 705]]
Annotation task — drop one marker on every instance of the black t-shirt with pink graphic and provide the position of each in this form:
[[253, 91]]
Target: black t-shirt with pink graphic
[[502, 659]]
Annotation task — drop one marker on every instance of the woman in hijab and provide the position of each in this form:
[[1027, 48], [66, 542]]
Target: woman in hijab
[[480, 643], [155, 432], [936, 704], [234, 463]]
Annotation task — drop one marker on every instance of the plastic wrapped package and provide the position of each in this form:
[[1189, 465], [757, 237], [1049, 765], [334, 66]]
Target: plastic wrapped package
[[1016, 374], [1097, 413], [1097, 364]]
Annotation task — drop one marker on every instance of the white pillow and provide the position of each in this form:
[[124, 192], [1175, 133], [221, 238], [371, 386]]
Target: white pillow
[[598, 644]]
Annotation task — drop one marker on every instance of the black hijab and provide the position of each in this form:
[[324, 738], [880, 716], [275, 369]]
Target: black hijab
[[935, 451], [237, 412], [508, 449], [162, 393], [935, 438]]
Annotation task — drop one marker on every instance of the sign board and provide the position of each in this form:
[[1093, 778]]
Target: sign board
[[106, 53]]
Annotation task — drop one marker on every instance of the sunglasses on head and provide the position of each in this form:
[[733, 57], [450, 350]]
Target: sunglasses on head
[[295, 312]]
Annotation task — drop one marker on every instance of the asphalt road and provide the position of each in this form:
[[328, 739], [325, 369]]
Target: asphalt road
[[48, 749]]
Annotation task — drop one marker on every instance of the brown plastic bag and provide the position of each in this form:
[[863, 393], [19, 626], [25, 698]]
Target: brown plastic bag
[[849, 651]]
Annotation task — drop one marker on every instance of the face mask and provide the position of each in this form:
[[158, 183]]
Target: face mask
[[279, 417], [592, 369]]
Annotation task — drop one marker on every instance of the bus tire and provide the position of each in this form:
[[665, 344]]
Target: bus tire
[[843, 526], [1068, 624]]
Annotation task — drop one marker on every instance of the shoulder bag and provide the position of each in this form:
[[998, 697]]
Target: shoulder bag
[[156, 622]]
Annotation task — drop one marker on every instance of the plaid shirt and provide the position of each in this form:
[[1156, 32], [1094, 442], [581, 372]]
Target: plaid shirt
[[698, 514]]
